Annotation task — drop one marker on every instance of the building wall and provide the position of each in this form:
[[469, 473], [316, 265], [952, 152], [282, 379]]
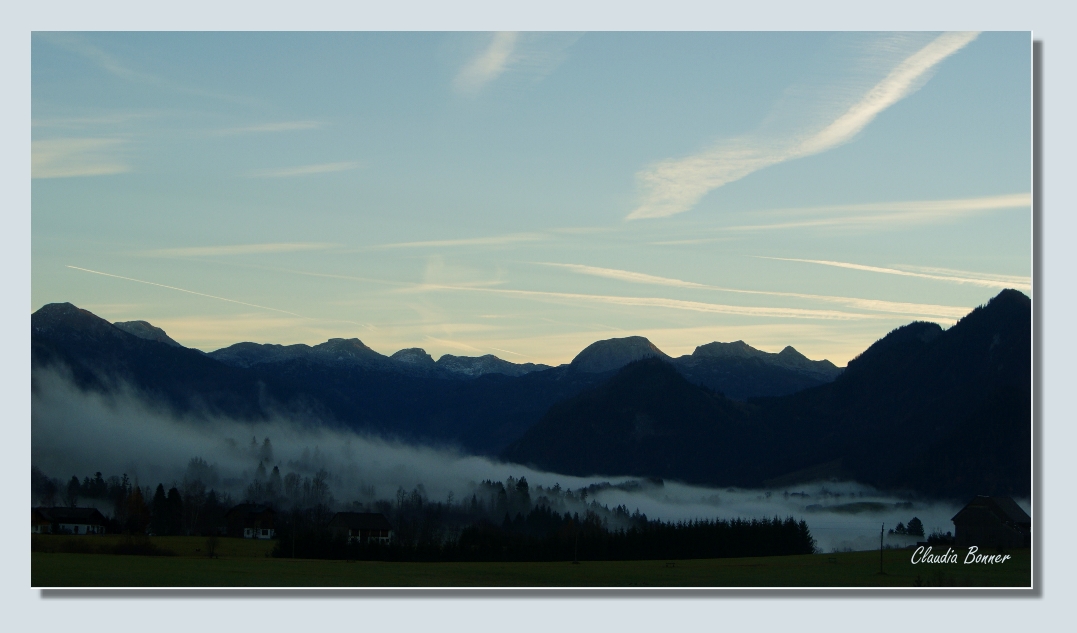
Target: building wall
[[987, 532]]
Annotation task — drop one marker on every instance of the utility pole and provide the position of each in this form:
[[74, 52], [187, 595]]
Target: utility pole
[[881, 528]]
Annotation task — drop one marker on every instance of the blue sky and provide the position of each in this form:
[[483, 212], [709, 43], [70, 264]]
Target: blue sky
[[527, 194]]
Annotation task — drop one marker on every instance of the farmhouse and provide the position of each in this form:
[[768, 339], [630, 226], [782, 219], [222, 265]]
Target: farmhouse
[[992, 522], [66, 521], [38, 523], [251, 520], [362, 527]]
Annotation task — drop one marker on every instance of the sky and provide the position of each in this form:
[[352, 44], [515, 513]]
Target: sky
[[525, 194]]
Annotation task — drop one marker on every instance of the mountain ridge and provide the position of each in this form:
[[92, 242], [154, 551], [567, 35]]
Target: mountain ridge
[[945, 413]]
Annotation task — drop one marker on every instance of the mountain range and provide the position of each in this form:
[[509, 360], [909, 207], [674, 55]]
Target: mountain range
[[478, 404], [940, 412], [946, 413]]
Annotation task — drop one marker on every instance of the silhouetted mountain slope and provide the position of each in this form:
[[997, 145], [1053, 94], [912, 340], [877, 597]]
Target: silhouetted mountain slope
[[487, 364], [942, 412], [340, 382], [735, 369], [789, 358], [613, 354], [740, 371], [947, 413], [480, 415], [341, 353], [646, 420], [142, 329], [336, 352], [923, 397], [98, 354]]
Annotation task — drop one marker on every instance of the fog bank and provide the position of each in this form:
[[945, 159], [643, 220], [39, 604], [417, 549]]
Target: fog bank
[[79, 433]]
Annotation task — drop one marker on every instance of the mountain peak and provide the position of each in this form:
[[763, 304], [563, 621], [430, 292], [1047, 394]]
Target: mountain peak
[[348, 350], [788, 358], [614, 353], [736, 349], [486, 364], [791, 352], [415, 356], [65, 319], [1009, 295], [145, 330]]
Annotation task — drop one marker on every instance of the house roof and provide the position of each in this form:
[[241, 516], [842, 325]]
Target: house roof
[[1005, 508], [360, 521], [246, 509], [88, 516]]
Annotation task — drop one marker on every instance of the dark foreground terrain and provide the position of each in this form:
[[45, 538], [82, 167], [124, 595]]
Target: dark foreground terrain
[[245, 564]]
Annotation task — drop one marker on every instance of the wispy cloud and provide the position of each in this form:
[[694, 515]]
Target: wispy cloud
[[82, 122], [1017, 280], [305, 170], [69, 157], [676, 185], [887, 214], [524, 56], [119, 68], [192, 292], [488, 64], [660, 302], [624, 275], [238, 249], [280, 126], [494, 240], [875, 305], [975, 279]]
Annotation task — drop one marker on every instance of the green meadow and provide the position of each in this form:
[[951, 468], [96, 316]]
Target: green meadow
[[59, 561]]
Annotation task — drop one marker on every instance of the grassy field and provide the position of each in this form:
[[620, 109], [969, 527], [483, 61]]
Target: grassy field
[[243, 563]]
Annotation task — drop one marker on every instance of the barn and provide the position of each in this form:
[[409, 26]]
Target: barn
[[66, 521], [362, 527], [992, 522]]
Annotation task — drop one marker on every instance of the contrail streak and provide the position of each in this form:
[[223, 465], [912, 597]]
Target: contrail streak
[[877, 305], [659, 302], [990, 283], [191, 292]]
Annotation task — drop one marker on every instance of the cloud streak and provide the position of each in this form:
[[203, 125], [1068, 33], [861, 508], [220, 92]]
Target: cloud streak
[[674, 186], [71, 157], [975, 279], [875, 305], [238, 249], [118, 68], [523, 56], [660, 302], [305, 170], [896, 213], [281, 126], [487, 65], [495, 240]]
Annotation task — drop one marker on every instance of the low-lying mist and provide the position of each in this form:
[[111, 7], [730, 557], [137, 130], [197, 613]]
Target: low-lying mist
[[78, 433]]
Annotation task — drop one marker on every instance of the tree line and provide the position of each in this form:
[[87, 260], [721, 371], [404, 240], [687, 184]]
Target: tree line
[[185, 508], [545, 535], [492, 520]]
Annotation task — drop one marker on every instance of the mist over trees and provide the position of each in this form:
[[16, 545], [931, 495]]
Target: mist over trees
[[491, 520]]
